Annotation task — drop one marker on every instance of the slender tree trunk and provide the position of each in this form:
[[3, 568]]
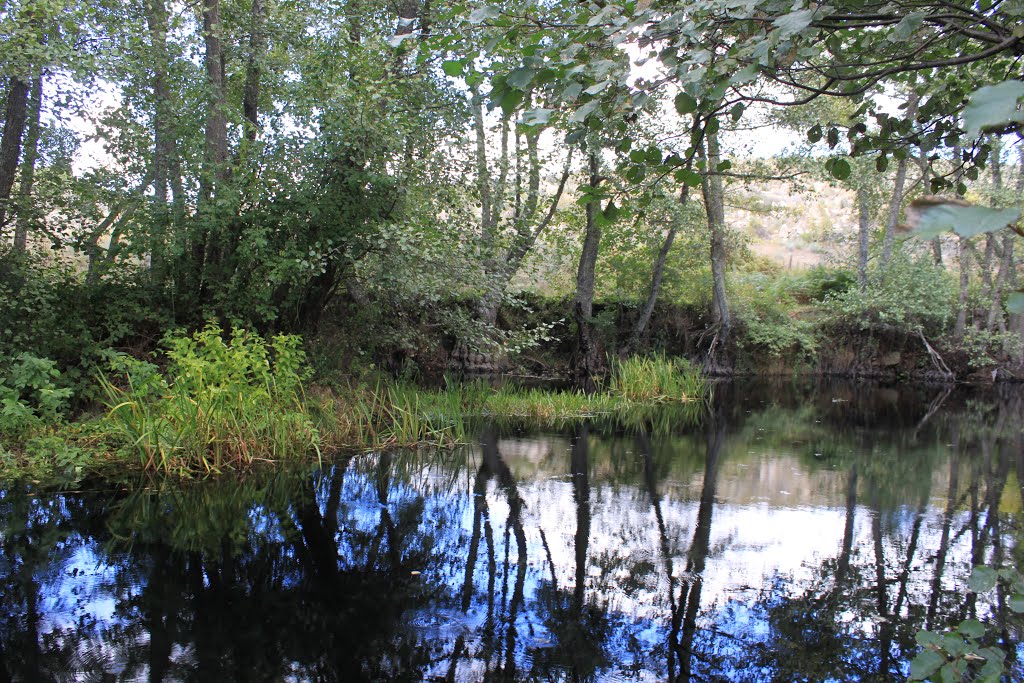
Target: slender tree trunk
[[640, 326], [897, 200], [714, 205], [253, 70], [587, 362], [965, 282], [25, 215], [216, 150], [863, 238], [894, 216], [15, 114]]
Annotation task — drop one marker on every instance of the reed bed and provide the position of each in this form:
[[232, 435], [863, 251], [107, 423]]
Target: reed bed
[[231, 403]]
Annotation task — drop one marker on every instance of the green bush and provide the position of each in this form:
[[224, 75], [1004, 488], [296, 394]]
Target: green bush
[[768, 315], [913, 294], [222, 403], [49, 311], [29, 395]]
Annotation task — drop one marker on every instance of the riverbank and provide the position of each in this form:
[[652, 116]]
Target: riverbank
[[213, 403]]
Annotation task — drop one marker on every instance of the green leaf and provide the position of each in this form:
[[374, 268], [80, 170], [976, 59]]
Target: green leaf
[[685, 175], [510, 100], [881, 163], [993, 105], [794, 22], [581, 114], [453, 67], [537, 117], [479, 16], [983, 578], [685, 104], [927, 638], [840, 169], [724, 166], [521, 77], [1015, 304], [966, 221], [737, 111], [907, 27], [814, 134], [925, 664], [971, 628]]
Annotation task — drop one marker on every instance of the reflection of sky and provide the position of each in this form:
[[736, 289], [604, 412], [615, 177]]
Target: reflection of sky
[[753, 548], [776, 532]]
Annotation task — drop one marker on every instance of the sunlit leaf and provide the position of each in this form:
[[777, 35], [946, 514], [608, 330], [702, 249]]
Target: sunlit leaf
[[993, 105], [967, 221], [521, 77], [479, 16], [794, 22]]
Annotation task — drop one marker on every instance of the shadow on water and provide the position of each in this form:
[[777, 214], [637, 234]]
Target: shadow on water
[[798, 533]]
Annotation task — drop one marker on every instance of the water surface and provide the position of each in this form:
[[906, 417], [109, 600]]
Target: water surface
[[796, 534]]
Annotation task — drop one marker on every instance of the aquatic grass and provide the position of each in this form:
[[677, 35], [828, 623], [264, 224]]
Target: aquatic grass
[[222, 405], [656, 379], [654, 393]]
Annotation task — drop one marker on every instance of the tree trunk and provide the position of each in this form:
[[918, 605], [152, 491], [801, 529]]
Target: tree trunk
[[640, 326], [863, 238], [15, 115], [894, 217], [897, 199], [25, 215], [587, 362], [216, 149], [253, 68], [965, 281], [714, 206]]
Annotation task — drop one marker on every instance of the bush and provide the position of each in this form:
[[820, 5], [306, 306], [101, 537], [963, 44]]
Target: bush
[[29, 396], [227, 403], [913, 294]]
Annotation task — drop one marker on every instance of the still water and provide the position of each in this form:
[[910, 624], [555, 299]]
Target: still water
[[796, 534]]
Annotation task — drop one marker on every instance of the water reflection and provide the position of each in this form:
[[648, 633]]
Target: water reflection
[[805, 537]]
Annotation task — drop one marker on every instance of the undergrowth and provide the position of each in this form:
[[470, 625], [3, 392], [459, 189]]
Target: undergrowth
[[220, 404]]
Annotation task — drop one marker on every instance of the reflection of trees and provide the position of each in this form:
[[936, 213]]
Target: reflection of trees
[[313, 577]]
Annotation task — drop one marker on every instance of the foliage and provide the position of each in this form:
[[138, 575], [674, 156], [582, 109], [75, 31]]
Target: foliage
[[220, 404], [656, 379], [769, 316], [963, 653], [29, 394], [913, 295]]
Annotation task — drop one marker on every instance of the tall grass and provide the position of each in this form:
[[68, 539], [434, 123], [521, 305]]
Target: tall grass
[[227, 404], [656, 379], [651, 393], [222, 404]]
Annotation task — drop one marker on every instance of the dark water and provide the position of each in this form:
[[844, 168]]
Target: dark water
[[795, 535]]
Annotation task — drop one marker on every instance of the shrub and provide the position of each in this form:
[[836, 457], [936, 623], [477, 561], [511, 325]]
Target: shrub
[[913, 294], [222, 403], [29, 396]]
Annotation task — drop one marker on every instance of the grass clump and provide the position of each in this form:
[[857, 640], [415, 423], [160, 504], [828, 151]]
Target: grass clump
[[656, 392], [656, 379], [220, 404]]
